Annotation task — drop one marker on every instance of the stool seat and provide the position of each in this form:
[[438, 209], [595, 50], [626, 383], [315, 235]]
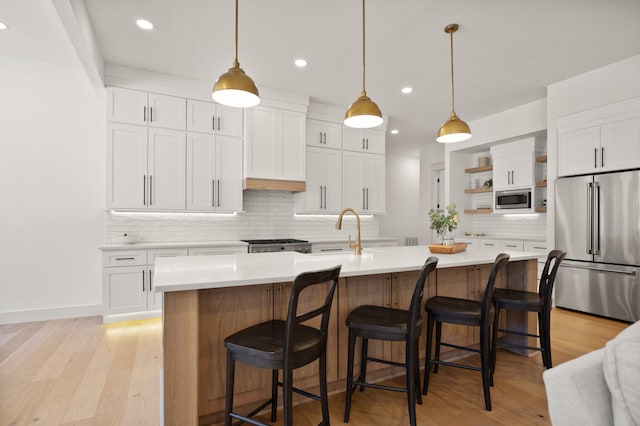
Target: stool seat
[[518, 299], [378, 322], [455, 310], [262, 344]]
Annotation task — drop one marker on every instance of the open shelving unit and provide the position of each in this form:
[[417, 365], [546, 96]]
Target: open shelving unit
[[478, 190], [479, 211], [479, 169]]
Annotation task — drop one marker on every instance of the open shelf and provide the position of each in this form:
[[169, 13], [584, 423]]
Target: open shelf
[[541, 159], [479, 169], [478, 190], [541, 184], [479, 211], [541, 209]]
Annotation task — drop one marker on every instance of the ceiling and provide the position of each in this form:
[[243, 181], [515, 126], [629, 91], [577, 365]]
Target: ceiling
[[506, 52]]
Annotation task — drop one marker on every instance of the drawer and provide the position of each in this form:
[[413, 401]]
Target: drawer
[[517, 245], [124, 258], [489, 243], [471, 242], [216, 250], [168, 252], [537, 247]]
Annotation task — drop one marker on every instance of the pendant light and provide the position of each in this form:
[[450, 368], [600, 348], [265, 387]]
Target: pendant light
[[234, 88], [363, 113], [454, 129]]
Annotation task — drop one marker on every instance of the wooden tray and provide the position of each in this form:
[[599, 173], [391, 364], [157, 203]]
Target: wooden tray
[[455, 248]]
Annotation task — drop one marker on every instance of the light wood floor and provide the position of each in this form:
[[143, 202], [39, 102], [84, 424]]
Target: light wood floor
[[81, 372]]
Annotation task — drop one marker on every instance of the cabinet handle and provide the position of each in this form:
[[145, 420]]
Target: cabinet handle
[[218, 123], [595, 158], [362, 198], [144, 190], [539, 248], [218, 190], [320, 196], [362, 143], [367, 198], [150, 189], [213, 122], [367, 144], [143, 289], [324, 135], [213, 192], [125, 258], [489, 244], [510, 245], [325, 197], [150, 281], [144, 114], [150, 114], [397, 292], [602, 157]]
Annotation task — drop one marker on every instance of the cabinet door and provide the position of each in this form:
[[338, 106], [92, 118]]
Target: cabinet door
[[501, 173], [261, 143], [201, 173], [353, 183], [313, 196], [154, 299], [375, 183], [332, 135], [332, 180], [124, 290], [578, 151], [521, 170], [229, 121], [620, 145], [315, 133], [201, 116], [353, 139], [126, 166], [292, 147], [374, 141], [228, 190], [167, 169], [168, 112], [127, 106]]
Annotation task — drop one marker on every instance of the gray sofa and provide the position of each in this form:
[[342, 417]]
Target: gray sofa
[[598, 388]]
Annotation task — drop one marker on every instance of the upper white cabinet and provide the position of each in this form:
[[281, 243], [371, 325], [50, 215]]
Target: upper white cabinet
[[209, 117], [324, 134], [363, 186], [151, 109], [214, 173], [363, 140], [601, 148], [145, 168], [275, 145], [514, 163], [323, 192]]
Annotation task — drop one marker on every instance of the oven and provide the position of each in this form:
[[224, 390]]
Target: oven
[[274, 245]]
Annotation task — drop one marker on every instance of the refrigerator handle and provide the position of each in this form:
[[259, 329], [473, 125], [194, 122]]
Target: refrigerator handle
[[596, 219], [589, 238]]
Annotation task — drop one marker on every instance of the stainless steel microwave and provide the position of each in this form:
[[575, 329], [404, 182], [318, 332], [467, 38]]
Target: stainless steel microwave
[[513, 199]]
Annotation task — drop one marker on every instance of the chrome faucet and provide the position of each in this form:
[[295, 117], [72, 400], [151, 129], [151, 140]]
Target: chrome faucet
[[357, 245]]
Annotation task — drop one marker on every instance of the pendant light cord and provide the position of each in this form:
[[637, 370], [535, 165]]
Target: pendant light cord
[[364, 92], [235, 62], [453, 109]]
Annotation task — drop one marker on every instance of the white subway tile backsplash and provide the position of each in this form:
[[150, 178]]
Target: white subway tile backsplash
[[533, 226], [268, 214]]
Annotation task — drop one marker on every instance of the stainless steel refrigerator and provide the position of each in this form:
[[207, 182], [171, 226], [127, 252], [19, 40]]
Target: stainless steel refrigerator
[[598, 224]]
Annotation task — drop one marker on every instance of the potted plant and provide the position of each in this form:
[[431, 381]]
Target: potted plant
[[444, 222]]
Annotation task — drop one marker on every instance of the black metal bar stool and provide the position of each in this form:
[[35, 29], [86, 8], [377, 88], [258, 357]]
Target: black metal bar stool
[[382, 323], [520, 300], [284, 345], [463, 312]]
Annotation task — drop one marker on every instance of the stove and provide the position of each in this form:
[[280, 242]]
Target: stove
[[283, 244]]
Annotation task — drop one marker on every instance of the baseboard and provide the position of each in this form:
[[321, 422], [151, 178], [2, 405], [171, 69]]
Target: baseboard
[[132, 316], [50, 314]]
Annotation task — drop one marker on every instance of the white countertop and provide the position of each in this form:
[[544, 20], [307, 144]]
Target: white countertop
[[180, 244], [232, 270]]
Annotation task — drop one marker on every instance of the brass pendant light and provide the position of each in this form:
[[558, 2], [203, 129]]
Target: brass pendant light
[[363, 113], [235, 88], [454, 129]]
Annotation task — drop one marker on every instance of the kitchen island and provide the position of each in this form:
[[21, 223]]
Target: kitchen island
[[207, 299]]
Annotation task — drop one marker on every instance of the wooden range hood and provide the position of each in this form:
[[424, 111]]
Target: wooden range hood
[[274, 184]]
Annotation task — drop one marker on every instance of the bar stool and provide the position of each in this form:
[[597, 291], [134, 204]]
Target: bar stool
[[284, 345], [463, 312], [382, 323], [540, 302]]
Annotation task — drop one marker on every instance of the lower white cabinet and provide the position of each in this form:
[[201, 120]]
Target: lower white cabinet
[[217, 250]]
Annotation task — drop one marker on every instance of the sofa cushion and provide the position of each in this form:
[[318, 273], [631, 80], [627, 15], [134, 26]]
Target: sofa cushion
[[621, 365], [577, 393]]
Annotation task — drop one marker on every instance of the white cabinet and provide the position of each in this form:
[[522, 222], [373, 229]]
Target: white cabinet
[[145, 168], [516, 245], [514, 163], [275, 145], [209, 117], [363, 183], [363, 140], [324, 134], [216, 250], [142, 108], [323, 193], [214, 173], [602, 148]]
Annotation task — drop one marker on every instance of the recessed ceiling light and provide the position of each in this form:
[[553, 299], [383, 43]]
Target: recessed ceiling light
[[144, 24], [3, 26], [395, 131], [300, 63], [407, 90]]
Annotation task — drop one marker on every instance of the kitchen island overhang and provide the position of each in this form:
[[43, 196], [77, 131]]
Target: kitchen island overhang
[[208, 298]]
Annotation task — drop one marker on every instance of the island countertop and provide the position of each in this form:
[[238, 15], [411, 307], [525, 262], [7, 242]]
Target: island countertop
[[234, 270]]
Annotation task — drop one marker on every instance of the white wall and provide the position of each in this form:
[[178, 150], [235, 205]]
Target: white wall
[[402, 198], [431, 158], [52, 186], [612, 83]]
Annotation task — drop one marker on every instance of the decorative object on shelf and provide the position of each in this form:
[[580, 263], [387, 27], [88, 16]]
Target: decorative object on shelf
[[363, 113], [483, 161], [444, 223], [454, 129], [235, 88], [488, 183]]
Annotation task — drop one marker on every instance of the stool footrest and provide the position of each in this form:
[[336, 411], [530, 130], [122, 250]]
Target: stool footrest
[[355, 384], [385, 361], [463, 348], [512, 345], [519, 333], [453, 364], [302, 392]]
